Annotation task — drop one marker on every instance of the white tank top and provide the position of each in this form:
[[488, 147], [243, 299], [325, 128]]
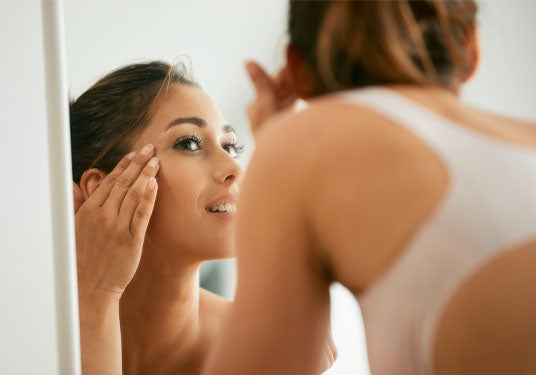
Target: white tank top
[[490, 206]]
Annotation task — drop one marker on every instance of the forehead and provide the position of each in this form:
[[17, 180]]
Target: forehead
[[182, 101]]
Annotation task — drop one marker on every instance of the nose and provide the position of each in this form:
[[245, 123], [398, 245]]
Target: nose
[[227, 170]]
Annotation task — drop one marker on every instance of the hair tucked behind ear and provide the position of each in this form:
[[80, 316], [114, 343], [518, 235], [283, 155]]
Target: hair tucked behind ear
[[106, 117], [349, 44]]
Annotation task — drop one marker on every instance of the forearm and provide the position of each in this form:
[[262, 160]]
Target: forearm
[[100, 336]]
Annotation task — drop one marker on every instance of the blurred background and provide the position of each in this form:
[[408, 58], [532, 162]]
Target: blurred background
[[214, 37]]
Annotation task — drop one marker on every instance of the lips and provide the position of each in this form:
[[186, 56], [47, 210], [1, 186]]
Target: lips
[[225, 203]]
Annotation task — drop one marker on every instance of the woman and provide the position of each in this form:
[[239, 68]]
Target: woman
[[166, 319], [146, 273], [423, 207]]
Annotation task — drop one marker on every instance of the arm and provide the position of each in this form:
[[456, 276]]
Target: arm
[[279, 322], [100, 335], [110, 229]]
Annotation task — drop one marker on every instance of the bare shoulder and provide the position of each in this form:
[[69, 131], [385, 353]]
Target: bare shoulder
[[330, 123], [366, 182], [516, 131], [507, 129], [340, 139], [319, 136]]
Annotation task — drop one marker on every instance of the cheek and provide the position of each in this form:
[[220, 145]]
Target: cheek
[[177, 208], [178, 193]]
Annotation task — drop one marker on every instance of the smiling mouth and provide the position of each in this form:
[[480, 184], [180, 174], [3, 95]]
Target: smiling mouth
[[226, 207]]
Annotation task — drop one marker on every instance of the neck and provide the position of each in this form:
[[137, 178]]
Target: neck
[[160, 314]]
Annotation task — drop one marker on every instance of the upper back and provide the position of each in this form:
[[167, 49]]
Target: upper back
[[427, 213]]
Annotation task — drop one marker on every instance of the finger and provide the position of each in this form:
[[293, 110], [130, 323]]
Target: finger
[[78, 198], [101, 193], [261, 80], [126, 179], [140, 219], [135, 193]]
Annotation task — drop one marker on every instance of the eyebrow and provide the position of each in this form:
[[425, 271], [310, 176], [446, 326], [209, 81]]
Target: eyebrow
[[187, 120], [228, 129], [197, 121]]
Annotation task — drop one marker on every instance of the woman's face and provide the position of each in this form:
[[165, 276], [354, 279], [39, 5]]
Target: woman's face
[[198, 176]]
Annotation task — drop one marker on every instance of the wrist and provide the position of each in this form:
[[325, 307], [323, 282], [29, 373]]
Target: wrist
[[95, 311], [98, 295], [97, 302]]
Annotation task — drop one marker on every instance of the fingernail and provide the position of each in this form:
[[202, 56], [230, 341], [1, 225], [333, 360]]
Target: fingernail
[[147, 150], [153, 162], [151, 183], [130, 155]]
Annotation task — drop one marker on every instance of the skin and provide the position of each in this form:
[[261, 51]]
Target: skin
[[172, 333], [332, 161]]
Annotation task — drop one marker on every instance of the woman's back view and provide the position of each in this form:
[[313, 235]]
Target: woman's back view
[[420, 206], [456, 299]]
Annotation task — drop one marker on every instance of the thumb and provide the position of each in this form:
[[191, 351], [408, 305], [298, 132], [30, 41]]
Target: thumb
[[260, 79]]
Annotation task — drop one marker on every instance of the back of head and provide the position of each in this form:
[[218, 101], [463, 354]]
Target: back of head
[[105, 118], [348, 44]]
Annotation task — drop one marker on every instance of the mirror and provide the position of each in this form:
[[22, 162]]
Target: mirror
[[213, 37], [217, 36]]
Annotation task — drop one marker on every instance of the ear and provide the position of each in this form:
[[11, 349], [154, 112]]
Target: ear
[[300, 77], [90, 181], [472, 44]]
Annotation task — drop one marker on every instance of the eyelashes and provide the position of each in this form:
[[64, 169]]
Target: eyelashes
[[188, 143], [233, 148], [193, 143]]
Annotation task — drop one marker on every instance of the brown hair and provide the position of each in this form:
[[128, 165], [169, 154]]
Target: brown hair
[[348, 44], [105, 119]]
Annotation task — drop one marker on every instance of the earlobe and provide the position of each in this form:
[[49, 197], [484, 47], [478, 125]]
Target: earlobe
[[473, 47], [90, 181], [300, 78]]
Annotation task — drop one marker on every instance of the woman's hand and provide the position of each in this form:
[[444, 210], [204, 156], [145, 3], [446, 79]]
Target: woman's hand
[[273, 94], [111, 224]]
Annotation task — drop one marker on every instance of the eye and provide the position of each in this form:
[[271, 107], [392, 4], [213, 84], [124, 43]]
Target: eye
[[188, 143], [233, 148]]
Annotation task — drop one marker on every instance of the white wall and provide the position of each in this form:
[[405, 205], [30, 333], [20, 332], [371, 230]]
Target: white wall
[[505, 81], [27, 313]]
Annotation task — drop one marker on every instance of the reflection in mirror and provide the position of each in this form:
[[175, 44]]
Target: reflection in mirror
[[196, 122], [170, 129]]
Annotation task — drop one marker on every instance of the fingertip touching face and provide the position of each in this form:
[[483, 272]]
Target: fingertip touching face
[[198, 176]]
